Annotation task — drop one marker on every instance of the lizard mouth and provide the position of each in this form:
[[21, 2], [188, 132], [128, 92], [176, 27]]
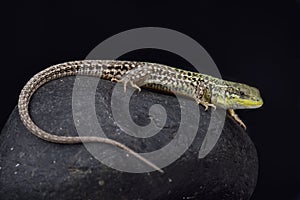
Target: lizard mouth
[[247, 103]]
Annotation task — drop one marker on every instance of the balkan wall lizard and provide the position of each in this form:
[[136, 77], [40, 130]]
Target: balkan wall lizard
[[206, 90]]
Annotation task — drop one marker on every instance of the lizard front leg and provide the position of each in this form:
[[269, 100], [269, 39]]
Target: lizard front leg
[[206, 104], [236, 118], [201, 96]]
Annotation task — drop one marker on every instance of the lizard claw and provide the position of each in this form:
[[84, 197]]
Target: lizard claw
[[213, 106], [206, 107], [210, 105], [242, 124]]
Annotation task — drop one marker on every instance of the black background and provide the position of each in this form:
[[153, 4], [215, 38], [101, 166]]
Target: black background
[[254, 42]]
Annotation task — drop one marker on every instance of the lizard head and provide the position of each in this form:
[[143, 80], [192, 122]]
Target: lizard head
[[237, 96]]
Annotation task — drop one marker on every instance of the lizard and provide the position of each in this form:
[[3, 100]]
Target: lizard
[[206, 90]]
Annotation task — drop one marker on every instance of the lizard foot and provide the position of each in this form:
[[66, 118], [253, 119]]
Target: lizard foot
[[206, 104], [132, 84], [115, 80], [236, 118]]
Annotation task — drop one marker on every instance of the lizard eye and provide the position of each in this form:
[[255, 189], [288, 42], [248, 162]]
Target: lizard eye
[[242, 93]]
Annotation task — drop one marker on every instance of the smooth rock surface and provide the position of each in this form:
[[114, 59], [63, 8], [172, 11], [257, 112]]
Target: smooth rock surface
[[31, 168]]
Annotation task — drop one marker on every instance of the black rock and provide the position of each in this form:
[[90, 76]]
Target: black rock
[[31, 168]]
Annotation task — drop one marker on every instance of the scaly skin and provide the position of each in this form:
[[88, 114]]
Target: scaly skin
[[206, 90]]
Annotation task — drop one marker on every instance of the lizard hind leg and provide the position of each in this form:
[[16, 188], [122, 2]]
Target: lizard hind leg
[[132, 84], [136, 78]]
